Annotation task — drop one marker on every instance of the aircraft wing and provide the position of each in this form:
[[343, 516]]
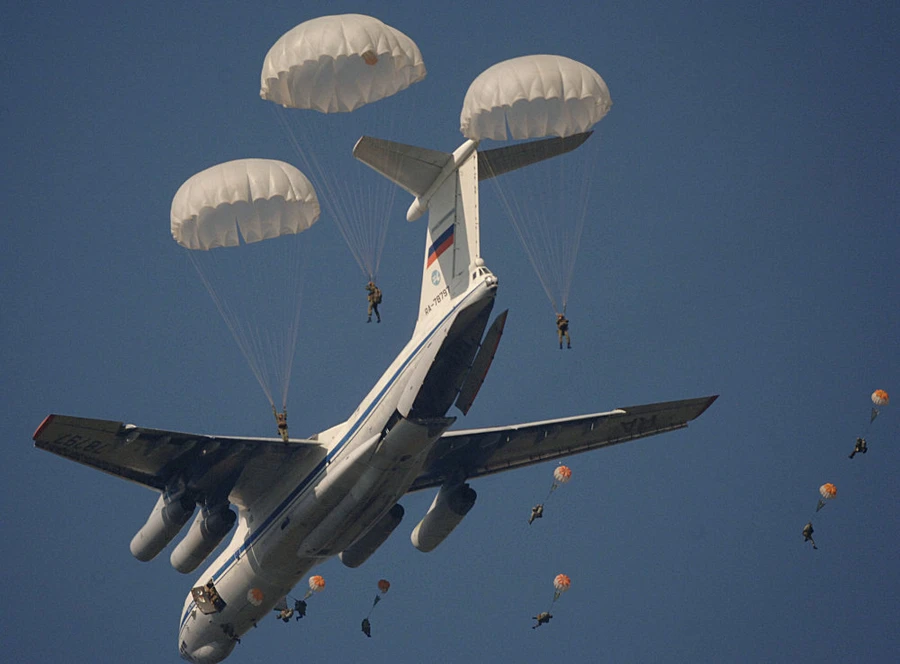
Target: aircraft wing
[[155, 458], [478, 452]]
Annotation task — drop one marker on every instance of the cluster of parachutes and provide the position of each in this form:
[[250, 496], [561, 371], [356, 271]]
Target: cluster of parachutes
[[330, 80], [561, 582], [239, 220], [828, 491]]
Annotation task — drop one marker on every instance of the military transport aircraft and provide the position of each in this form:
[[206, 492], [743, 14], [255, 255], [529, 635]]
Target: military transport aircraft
[[336, 493]]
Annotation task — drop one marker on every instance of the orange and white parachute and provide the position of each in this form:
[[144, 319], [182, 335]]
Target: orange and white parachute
[[384, 585], [561, 584], [880, 398], [316, 585], [828, 491], [562, 474]]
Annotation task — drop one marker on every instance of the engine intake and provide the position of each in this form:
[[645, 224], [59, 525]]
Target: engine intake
[[208, 529], [450, 505], [165, 522], [359, 552]]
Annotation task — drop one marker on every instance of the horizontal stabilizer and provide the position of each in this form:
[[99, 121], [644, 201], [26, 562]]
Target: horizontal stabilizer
[[415, 169], [503, 160]]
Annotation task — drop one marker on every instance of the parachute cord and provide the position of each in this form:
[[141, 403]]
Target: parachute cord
[[584, 200], [240, 336], [294, 329], [350, 208], [513, 214]]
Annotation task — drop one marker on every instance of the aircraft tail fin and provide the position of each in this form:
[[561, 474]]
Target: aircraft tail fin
[[445, 185]]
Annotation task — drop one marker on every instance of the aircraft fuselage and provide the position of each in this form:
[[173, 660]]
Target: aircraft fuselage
[[324, 504]]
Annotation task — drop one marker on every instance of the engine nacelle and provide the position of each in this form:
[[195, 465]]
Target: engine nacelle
[[450, 505], [166, 520], [208, 529], [359, 552]]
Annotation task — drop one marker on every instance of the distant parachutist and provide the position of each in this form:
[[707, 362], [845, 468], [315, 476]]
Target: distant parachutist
[[300, 608], [374, 297], [281, 421], [562, 328], [561, 475], [383, 586], [859, 447], [807, 534], [542, 619]]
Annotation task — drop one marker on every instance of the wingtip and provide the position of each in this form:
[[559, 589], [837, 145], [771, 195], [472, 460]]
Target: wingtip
[[43, 425], [709, 402]]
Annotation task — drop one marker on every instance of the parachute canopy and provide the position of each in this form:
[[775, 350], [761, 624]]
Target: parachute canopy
[[384, 585], [534, 96], [335, 64], [262, 198], [561, 584], [316, 583], [562, 474], [880, 398], [828, 491]]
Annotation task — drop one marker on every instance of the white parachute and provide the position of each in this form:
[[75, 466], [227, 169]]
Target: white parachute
[[261, 198], [324, 77], [239, 221], [533, 97]]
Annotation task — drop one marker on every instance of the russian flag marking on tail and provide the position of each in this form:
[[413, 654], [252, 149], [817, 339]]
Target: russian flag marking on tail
[[444, 242]]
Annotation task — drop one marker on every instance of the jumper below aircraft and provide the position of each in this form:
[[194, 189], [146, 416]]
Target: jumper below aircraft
[[336, 493]]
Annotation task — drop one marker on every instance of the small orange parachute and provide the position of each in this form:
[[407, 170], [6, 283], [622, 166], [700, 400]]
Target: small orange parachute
[[880, 398], [316, 585], [828, 491], [561, 583], [562, 474], [384, 585]]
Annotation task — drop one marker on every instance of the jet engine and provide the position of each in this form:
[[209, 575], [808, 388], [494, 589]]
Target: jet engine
[[208, 529], [358, 552], [450, 505], [166, 520]]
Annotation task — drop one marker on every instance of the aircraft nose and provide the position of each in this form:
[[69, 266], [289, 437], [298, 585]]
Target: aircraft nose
[[209, 653]]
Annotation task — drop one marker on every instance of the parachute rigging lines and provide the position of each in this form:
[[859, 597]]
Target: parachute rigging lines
[[547, 203], [324, 76], [239, 220]]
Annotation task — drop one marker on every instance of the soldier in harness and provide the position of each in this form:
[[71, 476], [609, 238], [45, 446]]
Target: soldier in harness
[[281, 421], [562, 328], [374, 296], [542, 619]]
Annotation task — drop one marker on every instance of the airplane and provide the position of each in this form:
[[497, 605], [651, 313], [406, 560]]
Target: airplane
[[336, 493]]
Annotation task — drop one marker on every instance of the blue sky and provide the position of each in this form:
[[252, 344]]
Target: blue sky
[[742, 241]]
